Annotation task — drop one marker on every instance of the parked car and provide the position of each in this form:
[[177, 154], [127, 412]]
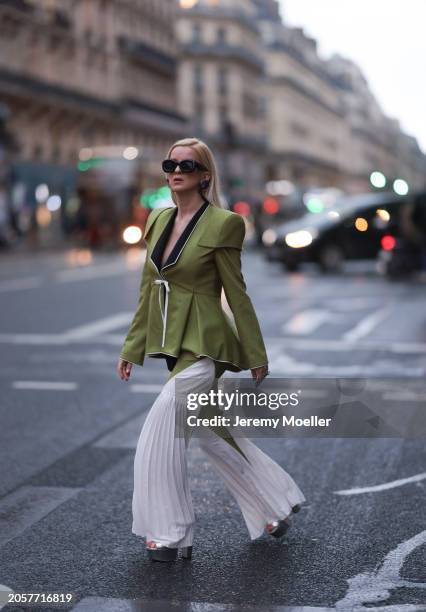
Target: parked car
[[278, 208], [351, 229], [401, 260], [404, 251]]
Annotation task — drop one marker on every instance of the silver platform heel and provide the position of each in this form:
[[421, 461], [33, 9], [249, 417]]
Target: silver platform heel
[[278, 528], [160, 552], [187, 552]]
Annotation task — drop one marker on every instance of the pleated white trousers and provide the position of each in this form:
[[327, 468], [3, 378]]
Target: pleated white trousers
[[162, 502]]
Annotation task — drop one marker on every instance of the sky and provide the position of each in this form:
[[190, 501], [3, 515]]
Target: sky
[[386, 38]]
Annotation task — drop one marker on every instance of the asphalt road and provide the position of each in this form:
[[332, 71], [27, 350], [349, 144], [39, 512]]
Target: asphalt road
[[70, 427]]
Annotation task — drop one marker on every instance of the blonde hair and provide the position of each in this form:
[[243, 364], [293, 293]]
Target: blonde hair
[[205, 156]]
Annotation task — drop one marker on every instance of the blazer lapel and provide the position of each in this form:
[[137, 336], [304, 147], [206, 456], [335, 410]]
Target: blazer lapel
[[178, 248]]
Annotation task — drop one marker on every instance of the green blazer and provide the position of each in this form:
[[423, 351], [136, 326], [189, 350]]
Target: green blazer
[[179, 305]]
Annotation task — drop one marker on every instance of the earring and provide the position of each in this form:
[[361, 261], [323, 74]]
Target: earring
[[204, 183]]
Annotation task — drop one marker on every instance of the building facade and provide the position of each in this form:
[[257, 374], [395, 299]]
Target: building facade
[[374, 141], [222, 87], [306, 118], [325, 127], [88, 79], [82, 82]]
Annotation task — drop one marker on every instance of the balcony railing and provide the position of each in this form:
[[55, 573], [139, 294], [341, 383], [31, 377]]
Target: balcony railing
[[224, 51], [153, 58], [223, 13]]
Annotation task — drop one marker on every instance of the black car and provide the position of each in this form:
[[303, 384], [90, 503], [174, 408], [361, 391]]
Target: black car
[[352, 228]]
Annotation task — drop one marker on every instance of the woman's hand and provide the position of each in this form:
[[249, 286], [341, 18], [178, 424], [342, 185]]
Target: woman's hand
[[259, 373], [124, 368]]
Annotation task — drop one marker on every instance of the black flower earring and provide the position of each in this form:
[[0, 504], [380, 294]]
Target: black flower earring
[[204, 183]]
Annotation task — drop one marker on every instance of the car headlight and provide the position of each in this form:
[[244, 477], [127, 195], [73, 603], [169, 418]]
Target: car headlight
[[301, 238], [269, 237], [132, 234]]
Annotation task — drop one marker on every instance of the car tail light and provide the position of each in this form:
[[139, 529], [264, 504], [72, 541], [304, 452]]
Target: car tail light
[[271, 206], [388, 242], [242, 208]]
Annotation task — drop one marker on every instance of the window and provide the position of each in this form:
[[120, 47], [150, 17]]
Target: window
[[223, 112], [198, 79], [249, 105], [196, 33], [223, 80], [38, 152], [330, 143], [221, 35], [262, 106], [199, 107], [298, 129], [198, 115]]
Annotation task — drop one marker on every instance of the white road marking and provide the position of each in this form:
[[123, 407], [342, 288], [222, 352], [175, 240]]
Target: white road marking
[[62, 338], [366, 325], [103, 604], [404, 396], [375, 586], [141, 388], [80, 273], [307, 321], [18, 284], [284, 342], [93, 272], [28, 339], [352, 303], [45, 385], [124, 436], [284, 365], [4, 591], [383, 487], [314, 393], [100, 326], [28, 504], [332, 345]]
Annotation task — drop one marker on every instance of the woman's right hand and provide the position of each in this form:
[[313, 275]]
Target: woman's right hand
[[124, 368]]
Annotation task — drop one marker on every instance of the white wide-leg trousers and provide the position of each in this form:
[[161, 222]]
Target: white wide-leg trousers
[[162, 502]]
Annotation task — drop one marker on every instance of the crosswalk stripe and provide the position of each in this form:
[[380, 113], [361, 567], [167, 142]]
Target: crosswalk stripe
[[366, 325], [100, 326], [44, 385], [307, 321], [26, 506], [18, 284]]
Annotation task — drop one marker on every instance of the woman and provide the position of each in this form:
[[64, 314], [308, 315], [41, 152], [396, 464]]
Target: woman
[[193, 250]]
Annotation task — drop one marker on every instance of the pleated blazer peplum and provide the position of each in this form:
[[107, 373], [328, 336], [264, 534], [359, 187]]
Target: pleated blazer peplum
[[180, 305]]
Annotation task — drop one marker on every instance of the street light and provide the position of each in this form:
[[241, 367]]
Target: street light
[[400, 186], [378, 179]]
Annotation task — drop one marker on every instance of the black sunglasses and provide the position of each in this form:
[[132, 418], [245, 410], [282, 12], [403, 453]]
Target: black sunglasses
[[186, 165]]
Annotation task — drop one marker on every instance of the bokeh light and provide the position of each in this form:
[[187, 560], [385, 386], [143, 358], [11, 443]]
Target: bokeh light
[[400, 186], [54, 202], [378, 179], [361, 224], [42, 193], [130, 153], [132, 234]]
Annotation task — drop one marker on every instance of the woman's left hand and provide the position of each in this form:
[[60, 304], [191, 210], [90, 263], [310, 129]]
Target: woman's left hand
[[259, 374]]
